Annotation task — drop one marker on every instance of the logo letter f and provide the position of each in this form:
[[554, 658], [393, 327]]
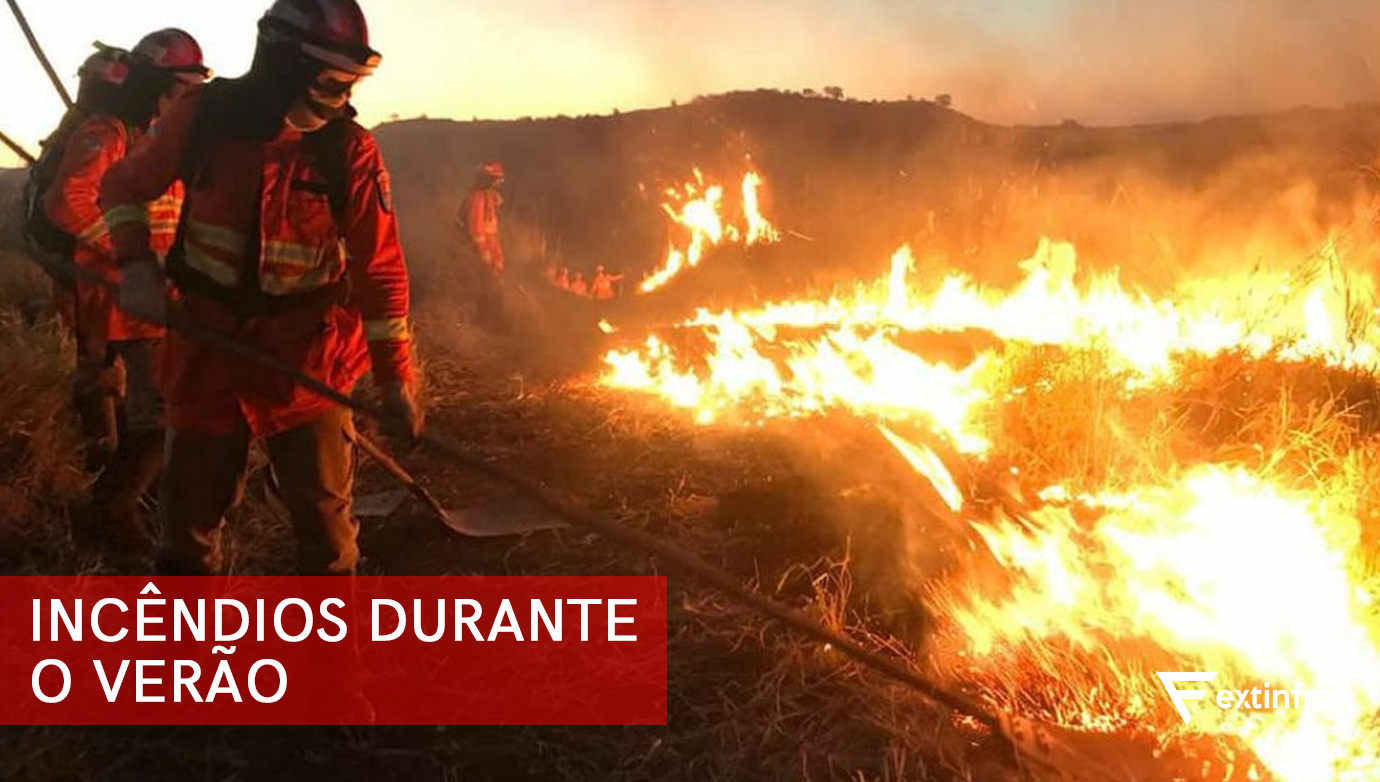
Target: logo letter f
[[1179, 696]]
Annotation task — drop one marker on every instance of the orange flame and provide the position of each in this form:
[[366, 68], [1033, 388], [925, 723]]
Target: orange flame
[[700, 214], [1223, 570], [1216, 568], [847, 351]]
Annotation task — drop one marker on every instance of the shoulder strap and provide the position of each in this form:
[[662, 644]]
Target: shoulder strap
[[328, 150]]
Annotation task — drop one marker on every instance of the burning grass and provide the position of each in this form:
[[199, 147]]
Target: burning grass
[[1139, 448]]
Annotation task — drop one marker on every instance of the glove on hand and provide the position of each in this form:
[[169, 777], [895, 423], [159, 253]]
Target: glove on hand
[[403, 416], [143, 291]]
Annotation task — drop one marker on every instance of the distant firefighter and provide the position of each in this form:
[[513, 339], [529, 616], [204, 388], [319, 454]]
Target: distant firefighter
[[478, 218], [578, 286], [603, 285]]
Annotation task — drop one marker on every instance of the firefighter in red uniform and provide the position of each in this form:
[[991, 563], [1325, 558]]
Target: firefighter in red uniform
[[95, 385], [478, 217], [288, 244], [160, 67]]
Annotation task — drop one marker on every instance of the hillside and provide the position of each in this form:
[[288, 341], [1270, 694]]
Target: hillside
[[862, 178]]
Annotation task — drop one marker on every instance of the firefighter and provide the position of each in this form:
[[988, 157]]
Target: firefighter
[[120, 349], [478, 218], [290, 246], [578, 286], [95, 385], [603, 285]]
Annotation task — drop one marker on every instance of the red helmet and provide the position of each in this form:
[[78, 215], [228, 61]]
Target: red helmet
[[493, 168], [107, 65], [332, 32], [171, 50]]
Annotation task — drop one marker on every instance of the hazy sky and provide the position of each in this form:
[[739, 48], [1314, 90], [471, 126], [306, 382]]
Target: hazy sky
[[1030, 61]]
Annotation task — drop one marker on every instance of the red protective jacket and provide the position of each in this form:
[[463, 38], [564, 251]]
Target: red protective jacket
[[479, 213], [72, 205], [299, 250]]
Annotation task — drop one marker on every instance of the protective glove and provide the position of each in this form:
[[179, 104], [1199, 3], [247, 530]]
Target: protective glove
[[402, 415], [144, 291]]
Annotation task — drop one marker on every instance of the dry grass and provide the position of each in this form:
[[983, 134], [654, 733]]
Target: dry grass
[[40, 465], [747, 701]]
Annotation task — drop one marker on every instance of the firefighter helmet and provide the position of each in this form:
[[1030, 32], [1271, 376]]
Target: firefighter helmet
[[107, 65], [331, 32], [171, 50], [493, 168]]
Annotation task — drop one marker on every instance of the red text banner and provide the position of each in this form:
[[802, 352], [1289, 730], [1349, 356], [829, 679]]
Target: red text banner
[[310, 651]]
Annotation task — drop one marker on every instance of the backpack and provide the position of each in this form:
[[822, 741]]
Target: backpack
[[40, 234], [328, 150]]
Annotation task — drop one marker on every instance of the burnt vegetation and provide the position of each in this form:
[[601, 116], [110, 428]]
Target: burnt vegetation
[[778, 506]]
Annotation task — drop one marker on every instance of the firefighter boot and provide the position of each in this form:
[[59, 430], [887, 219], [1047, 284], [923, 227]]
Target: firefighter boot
[[98, 412], [115, 498]]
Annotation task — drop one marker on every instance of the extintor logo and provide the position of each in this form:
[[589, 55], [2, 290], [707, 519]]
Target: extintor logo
[[1170, 678], [1255, 698]]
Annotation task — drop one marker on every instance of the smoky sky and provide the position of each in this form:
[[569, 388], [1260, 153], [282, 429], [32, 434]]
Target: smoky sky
[[1006, 61], [1101, 61]]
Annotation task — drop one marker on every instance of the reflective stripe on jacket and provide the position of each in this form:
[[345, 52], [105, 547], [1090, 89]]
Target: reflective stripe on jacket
[[259, 216], [72, 204]]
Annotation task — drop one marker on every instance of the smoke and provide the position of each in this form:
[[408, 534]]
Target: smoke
[[1132, 61], [1010, 61]]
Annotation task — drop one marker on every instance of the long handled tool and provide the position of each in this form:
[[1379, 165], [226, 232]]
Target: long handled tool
[[16, 148], [401, 475]]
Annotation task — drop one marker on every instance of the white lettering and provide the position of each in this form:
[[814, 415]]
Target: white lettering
[[96, 620], [179, 681], [278, 620], [461, 620], [539, 610], [140, 681], [397, 609], [111, 692], [615, 620], [223, 673], [254, 685], [584, 615], [143, 619], [220, 620], [332, 618], [505, 609], [66, 681]]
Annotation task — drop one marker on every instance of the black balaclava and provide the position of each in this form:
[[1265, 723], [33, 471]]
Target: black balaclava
[[258, 102], [141, 93]]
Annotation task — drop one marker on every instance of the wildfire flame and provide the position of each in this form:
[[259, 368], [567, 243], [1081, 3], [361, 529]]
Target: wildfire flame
[[1213, 567], [848, 351], [698, 210], [1223, 571]]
